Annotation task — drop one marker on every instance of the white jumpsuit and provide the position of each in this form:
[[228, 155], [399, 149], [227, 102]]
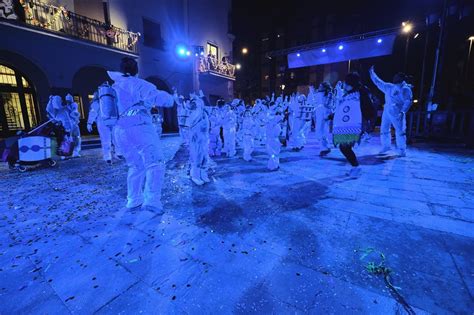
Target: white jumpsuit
[[136, 138], [398, 98], [105, 132], [229, 122]]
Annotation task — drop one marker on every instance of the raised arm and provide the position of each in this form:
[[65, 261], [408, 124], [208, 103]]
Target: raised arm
[[154, 97], [381, 85]]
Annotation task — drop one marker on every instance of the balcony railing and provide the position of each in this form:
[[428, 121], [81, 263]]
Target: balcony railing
[[212, 65], [59, 20]]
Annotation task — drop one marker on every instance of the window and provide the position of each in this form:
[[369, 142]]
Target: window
[[78, 101], [17, 102], [152, 34], [213, 50]]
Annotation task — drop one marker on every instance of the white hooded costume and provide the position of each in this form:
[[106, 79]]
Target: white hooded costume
[[398, 99], [136, 138], [198, 122], [68, 115], [105, 129], [248, 135], [215, 141], [229, 123]]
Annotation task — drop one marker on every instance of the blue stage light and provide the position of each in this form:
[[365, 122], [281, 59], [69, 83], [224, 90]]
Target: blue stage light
[[323, 50], [341, 47], [298, 55], [379, 41]]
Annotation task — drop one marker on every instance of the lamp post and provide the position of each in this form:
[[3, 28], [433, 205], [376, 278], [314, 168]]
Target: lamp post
[[407, 27], [470, 39]]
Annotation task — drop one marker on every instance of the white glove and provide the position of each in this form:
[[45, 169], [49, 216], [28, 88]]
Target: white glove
[[89, 128]]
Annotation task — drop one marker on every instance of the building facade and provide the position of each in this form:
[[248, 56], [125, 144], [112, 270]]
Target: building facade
[[66, 46]]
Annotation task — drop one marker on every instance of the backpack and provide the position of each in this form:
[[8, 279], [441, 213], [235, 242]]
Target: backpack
[[108, 109]]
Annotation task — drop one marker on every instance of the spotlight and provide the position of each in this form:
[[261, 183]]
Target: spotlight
[[238, 66], [415, 101], [416, 35], [298, 55], [202, 53], [245, 50], [379, 41], [341, 47], [196, 54], [407, 27], [323, 50], [188, 53], [182, 51]]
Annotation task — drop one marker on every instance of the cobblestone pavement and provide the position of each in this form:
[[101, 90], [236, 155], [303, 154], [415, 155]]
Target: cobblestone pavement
[[297, 240]]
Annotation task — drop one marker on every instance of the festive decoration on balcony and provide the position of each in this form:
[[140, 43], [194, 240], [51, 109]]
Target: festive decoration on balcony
[[59, 19], [6, 10], [54, 11]]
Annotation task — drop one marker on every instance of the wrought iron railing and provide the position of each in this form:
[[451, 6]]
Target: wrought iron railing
[[440, 124], [59, 20], [211, 64]]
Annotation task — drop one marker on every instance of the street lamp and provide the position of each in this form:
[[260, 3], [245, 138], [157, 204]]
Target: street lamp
[[245, 51], [407, 27]]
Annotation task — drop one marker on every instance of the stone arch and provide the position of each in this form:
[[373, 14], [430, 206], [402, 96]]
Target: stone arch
[[85, 82], [35, 75]]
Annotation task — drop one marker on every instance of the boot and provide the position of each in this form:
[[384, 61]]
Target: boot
[[204, 175], [196, 176]]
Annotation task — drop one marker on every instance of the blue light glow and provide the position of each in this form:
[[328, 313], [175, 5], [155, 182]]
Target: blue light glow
[[379, 40], [323, 50], [341, 47], [298, 55]]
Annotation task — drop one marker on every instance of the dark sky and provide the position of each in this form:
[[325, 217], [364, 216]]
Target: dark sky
[[252, 16]]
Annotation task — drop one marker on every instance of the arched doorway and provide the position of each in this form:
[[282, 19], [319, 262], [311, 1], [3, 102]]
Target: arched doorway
[[85, 83], [170, 115], [18, 104]]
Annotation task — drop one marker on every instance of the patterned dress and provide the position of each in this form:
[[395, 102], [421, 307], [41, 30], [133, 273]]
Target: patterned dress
[[348, 120]]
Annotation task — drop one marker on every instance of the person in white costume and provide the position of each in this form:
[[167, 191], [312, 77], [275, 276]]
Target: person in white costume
[[273, 145], [198, 122], [248, 134], [68, 115], [229, 121], [75, 116], [215, 141], [103, 126], [136, 137], [322, 113], [398, 99]]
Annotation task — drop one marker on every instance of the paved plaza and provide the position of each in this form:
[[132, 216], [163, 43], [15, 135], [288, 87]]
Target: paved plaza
[[295, 241]]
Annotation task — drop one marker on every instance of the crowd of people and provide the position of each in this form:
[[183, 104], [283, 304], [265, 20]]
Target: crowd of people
[[128, 121]]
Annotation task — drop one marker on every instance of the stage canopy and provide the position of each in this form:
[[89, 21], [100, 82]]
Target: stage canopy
[[343, 51]]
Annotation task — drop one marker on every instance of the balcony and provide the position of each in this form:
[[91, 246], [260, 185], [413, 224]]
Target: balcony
[[58, 20], [213, 66]]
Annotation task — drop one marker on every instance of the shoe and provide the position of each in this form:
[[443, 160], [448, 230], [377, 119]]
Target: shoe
[[402, 153], [204, 176], [384, 151], [325, 152], [109, 162], [195, 174], [197, 181], [132, 205], [76, 155], [355, 172], [63, 157], [157, 209]]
